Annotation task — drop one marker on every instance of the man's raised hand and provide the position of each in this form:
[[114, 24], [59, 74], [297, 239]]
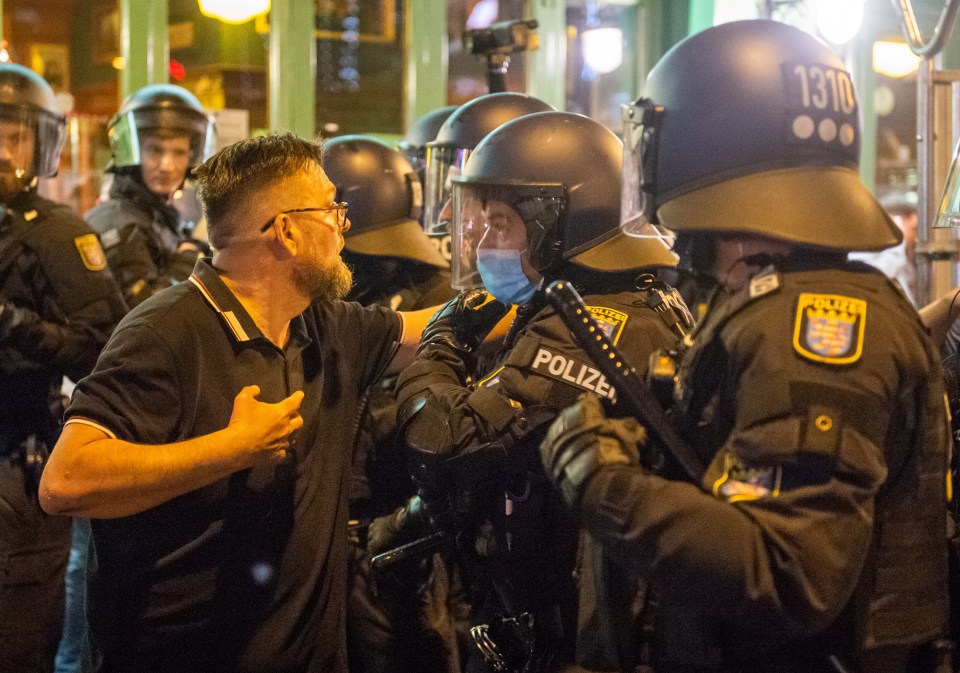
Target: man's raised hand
[[265, 430]]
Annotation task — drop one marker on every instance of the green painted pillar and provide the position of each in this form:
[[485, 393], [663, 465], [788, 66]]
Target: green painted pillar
[[865, 82], [143, 44], [665, 23], [425, 32], [158, 46], [546, 70], [701, 16], [293, 68]]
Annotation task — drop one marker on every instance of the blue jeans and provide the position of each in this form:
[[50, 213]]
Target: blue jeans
[[74, 654]]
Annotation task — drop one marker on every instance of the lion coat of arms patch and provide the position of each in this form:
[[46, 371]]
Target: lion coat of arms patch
[[829, 328]]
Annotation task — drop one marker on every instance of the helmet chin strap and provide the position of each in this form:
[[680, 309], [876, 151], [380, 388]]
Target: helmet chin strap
[[757, 260], [21, 187]]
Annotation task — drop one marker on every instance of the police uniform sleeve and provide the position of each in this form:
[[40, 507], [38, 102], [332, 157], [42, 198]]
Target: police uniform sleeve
[[133, 393], [773, 541], [130, 254], [543, 372], [66, 329], [951, 341]]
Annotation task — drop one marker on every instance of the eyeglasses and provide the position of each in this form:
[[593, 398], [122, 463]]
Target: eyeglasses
[[339, 208]]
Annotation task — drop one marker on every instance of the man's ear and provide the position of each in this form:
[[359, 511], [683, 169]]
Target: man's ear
[[291, 236]]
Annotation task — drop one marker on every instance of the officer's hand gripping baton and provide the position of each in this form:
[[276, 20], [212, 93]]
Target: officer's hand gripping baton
[[632, 393]]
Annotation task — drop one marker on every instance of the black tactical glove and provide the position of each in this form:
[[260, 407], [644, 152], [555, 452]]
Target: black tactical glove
[[461, 325], [398, 528], [9, 318], [582, 440]]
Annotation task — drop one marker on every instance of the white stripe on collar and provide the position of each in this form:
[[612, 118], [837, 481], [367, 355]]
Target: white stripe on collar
[[228, 316]]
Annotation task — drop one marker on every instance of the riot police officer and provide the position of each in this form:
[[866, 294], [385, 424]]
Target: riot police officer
[[457, 137], [393, 261], [58, 305], [413, 146], [391, 625], [814, 539], [159, 133], [524, 213]]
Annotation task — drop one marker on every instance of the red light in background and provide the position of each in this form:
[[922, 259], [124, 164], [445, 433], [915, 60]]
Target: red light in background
[[177, 71]]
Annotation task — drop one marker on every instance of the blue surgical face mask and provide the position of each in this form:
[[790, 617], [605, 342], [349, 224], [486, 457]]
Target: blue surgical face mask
[[503, 276]]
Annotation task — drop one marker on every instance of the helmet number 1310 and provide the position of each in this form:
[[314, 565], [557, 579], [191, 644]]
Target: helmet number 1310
[[825, 87]]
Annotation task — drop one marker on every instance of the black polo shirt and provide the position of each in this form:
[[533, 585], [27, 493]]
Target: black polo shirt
[[249, 572]]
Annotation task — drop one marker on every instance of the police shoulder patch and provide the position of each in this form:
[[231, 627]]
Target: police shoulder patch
[[611, 321], [829, 328], [740, 481], [90, 252]]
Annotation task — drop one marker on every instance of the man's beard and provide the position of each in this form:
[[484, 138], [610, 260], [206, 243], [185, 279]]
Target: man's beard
[[322, 284]]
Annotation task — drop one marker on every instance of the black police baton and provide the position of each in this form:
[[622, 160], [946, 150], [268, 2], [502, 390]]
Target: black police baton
[[632, 392], [412, 550]]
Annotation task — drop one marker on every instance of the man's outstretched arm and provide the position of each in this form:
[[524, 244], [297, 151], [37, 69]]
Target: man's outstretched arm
[[93, 474]]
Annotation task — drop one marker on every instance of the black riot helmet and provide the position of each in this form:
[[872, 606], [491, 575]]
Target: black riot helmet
[[385, 198], [164, 109], [27, 102], [560, 172], [447, 154], [424, 130], [751, 127]]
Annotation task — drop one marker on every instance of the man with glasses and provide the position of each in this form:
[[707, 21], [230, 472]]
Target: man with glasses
[[211, 443]]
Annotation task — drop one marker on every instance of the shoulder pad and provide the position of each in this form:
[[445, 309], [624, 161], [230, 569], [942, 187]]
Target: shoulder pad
[[114, 214]]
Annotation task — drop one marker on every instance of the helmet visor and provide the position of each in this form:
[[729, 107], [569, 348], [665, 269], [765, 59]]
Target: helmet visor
[[639, 137], [443, 164], [525, 218], [416, 155], [127, 130], [949, 212], [30, 143]]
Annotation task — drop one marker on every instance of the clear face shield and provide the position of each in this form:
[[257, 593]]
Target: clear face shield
[[30, 145], [498, 220], [444, 163], [126, 130], [416, 155], [639, 153], [948, 215]]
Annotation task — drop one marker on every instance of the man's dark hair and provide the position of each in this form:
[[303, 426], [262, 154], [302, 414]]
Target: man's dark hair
[[227, 181]]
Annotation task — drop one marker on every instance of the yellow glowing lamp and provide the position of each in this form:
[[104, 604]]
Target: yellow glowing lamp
[[234, 11], [894, 59]]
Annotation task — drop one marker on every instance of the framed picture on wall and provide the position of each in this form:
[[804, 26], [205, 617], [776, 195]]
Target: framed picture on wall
[[105, 33], [52, 62]]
